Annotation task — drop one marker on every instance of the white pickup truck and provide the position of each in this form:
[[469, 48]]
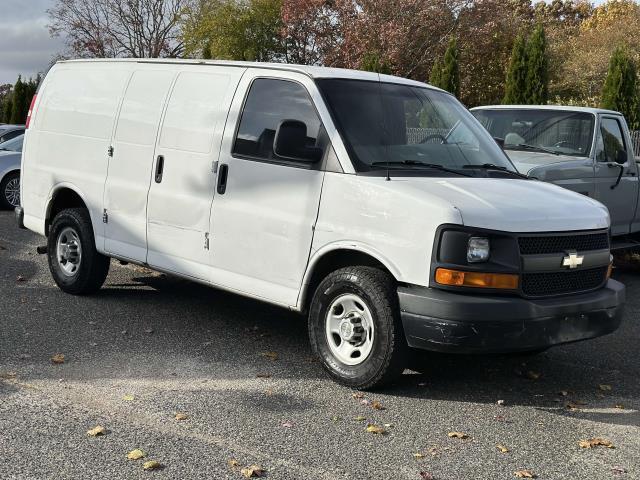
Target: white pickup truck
[[587, 150], [376, 205]]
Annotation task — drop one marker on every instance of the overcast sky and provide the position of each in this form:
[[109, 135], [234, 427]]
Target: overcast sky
[[25, 45]]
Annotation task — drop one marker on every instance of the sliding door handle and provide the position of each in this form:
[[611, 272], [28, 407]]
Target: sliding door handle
[[223, 173], [159, 168]]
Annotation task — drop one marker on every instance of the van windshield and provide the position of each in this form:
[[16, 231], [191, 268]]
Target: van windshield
[[548, 131], [410, 129]]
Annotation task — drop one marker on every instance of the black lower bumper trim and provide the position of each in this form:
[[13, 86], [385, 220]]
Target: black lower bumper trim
[[19, 212], [462, 323]]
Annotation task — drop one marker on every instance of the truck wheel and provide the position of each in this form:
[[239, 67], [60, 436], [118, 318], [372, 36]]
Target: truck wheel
[[75, 264], [355, 328], [10, 191]]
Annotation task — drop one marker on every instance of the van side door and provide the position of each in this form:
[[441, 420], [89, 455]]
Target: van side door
[[183, 179], [613, 144], [131, 158], [266, 205]]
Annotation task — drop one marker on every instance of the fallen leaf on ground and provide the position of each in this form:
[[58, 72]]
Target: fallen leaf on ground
[[151, 465], [418, 455], [364, 401], [233, 463], [287, 424], [357, 395], [388, 425], [502, 448], [426, 476], [136, 454], [460, 435], [604, 388], [531, 375], [525, 474], [595, 442], [20, 278], [270, 355], [263, 375], [371, 428], [181, 416], [253, 471], [58, 358], [95, 431], [8, 375], [618, 470], [360, 418], [268, 392], [128, 397], [433, 451], [501, 403], [377, 405], [93, 344], [148, 330]]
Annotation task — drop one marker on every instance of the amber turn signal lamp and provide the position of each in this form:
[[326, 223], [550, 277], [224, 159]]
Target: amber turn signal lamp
[[609, 270], [457, 278]]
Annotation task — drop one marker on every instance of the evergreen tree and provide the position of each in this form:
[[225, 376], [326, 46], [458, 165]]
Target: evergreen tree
[[206, 52], [7, 108], [371, 63], [436, 74], [620, 91], [516, 85], [450, 73], [18, 110], [537, 83]]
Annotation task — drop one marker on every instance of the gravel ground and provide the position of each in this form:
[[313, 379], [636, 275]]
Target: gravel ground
[[148, 346]]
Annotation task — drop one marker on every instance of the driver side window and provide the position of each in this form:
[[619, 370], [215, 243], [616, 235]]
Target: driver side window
[[610, 140]]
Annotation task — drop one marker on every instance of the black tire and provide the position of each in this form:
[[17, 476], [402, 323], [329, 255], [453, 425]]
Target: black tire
[[388, 355], [93, 267], [8, 179]]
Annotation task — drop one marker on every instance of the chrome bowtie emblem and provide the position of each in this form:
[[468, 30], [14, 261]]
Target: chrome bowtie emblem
[[572, 260]]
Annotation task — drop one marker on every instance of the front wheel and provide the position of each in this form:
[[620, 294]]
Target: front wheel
[[75, 264], [355, 328]]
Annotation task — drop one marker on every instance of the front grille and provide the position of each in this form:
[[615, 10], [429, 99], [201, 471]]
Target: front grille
[[556, 244], [557, 283]]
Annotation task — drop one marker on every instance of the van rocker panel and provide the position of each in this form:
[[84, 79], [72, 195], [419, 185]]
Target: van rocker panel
[[462, 323]]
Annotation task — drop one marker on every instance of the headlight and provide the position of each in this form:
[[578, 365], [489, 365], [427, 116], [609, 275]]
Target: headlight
[[477, 249]]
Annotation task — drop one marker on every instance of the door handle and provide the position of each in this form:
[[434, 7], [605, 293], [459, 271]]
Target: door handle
[[159, 168], [223, 172]]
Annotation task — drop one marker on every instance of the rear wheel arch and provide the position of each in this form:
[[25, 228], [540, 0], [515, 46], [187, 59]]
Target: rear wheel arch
[[334, 259]]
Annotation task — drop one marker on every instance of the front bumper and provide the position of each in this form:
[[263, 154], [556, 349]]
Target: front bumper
[[462, 323]]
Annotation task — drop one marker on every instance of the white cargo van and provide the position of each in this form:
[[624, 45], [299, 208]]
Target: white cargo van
[[377, 205]]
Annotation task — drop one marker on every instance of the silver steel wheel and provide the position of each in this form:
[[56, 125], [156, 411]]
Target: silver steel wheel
[[350, 329], [69, 251], [12, 192]]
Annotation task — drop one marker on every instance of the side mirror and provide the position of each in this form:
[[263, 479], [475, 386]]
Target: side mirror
[[290, 142], [621, 157], [499, 141]]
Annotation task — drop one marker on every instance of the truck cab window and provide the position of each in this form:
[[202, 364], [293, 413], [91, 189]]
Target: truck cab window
[[270, 101], [610, 140]]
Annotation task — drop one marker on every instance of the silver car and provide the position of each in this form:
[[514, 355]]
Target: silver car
[[7, 132], [10, 155]]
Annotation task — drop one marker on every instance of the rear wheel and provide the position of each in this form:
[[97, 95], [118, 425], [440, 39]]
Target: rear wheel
[[355, 328], [10, 190], [77, 267]]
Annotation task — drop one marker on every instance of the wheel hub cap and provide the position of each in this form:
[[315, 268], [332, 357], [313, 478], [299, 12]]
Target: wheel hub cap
[[69, 251], [350, 329], [12, 192]]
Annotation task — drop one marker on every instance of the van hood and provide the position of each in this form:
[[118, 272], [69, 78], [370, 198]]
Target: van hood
[[525, 161], [510, 205]]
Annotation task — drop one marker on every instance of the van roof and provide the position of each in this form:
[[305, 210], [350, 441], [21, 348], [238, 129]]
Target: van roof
[[310, 71], [563, 108]]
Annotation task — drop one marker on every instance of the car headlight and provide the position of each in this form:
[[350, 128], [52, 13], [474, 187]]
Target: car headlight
[[478, 249]]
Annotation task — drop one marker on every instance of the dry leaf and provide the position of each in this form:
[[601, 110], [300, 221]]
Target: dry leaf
[[95, 431], [460, 435], [371, 428], [128, 397], [418, 455], [287, 424], [151, 465], [360, 418], [181, 416], [20, 278], [357, 395], [270, 355], [618, 470], [433, 451], [377, 405], [594, 442], [263, 375], [253, 471], [233, 463], [502, 448], [58, 358], [604, 388], [525, 474], [426, 476], [136, 454]]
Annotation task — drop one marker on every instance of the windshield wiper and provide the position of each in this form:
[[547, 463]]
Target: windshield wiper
[[417, 163], [491, 166], [532, 147]]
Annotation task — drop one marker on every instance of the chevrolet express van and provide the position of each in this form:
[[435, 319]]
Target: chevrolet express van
[[377, 205]]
